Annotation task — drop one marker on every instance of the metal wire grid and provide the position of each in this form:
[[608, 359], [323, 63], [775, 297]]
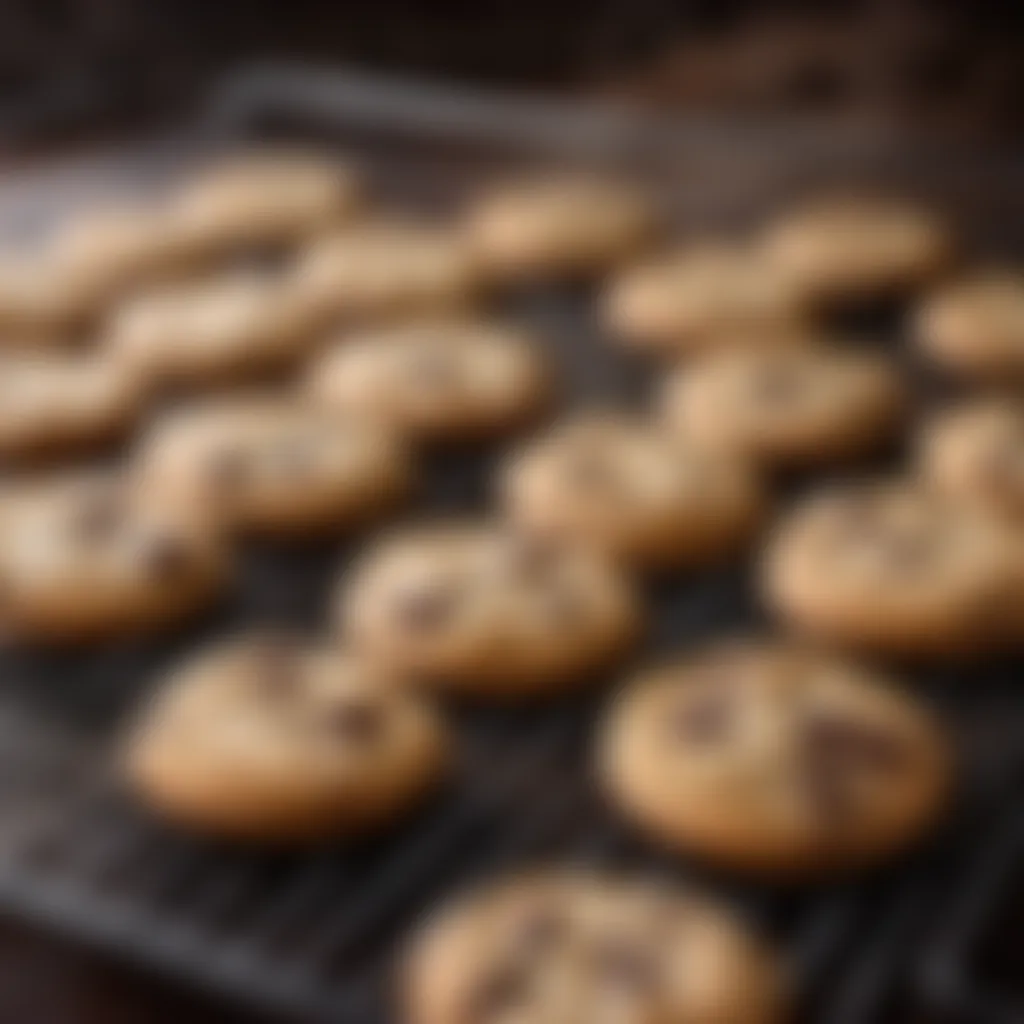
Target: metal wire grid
[[314, 934]]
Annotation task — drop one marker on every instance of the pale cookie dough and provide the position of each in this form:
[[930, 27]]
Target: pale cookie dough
[[786, 408], [558, 227], [271, 466], [93, 556], [892, 568], [775, 760], [846, 249], [480, 609], [633, 492], [564, 947], [975, 454], [974, 327], [266, 740], [436, 379], [57, 403], [712, 295]]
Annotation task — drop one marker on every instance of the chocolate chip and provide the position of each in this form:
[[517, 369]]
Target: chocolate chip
[[828, 792], [706, 719], [502, 990], [843, 741], [623, 965], [356, 722], [294, 455], [167, 558], [908, 552], [425, 610], [564, 608]]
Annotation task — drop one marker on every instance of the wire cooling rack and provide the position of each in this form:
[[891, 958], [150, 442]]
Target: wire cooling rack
[[313, 934]]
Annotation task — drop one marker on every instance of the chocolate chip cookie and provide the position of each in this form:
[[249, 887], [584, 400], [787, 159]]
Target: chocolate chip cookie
[[384, 268], [772, 759], [560, 947], [57, 403], [93, 556], [633, 492], [259, 197], [974, 327], [224, 329], [559, 226], [894, 568], [975, 454], [266, 739], [711, 295], [481, 609], [840, 249], [788, 407], [437, 379], [270, 466]]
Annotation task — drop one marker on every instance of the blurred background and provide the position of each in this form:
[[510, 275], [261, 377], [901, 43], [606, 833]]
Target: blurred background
[[901, 65]]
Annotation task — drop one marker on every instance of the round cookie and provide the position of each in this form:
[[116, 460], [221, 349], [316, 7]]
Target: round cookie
[[974, 327], [267, 466], [255, 198], [893, 568], [228, 328], [437, 379], [975, 454], [262, 739], [558, 226], [775, 760], [563, 946], [384, 268], [633, 492], [118, 245], [52, 403], [480, 609], [788, 407], [93, 556], [848, 248], [45, 299], [715, 295]]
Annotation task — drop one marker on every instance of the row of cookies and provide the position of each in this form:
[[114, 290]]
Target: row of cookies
[[300, 221]]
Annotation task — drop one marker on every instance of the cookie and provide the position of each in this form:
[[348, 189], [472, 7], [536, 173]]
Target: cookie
[[384, 268], [45, 299], [893, 568], [712, 295], [975, 454], [55, 403], [840, 249], [974, 327], [633, 493], [255, 198], [268, 466], [560, 226], [479, 609], [563, 946], [789, 407], [776, 760], [266, 740], [439, 379], [93, 556], [115, 246], [229, 328]]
